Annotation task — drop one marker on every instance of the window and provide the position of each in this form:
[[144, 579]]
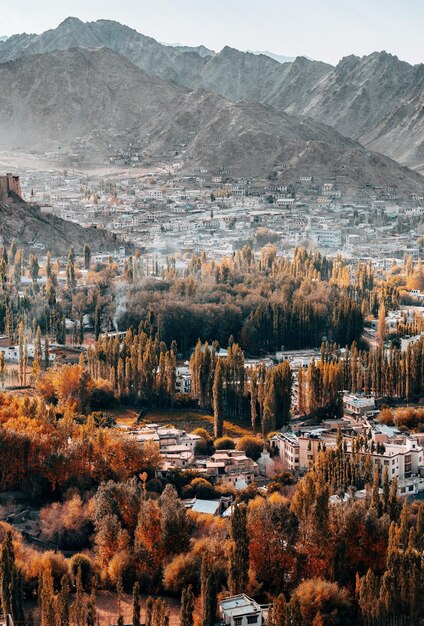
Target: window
[[237, 621], [252, 619]]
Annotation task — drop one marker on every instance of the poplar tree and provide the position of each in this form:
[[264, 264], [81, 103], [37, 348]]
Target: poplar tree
[[208, 585], [136, 605], [63, 602], [279, 612], [7, 562], [187, 607], [239, 558], [218, 400], [87, 256], [46, 598]]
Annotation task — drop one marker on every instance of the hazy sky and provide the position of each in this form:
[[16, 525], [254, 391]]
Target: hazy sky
[[322, 29]]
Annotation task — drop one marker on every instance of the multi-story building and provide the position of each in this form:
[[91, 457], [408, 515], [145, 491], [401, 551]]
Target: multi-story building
[[231, 466]]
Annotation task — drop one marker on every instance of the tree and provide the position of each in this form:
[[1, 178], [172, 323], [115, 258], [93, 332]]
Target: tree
[[318, 596], [63, 602], [136, 605], [46, 598], [252, 446], [7, 563], [381, 326], [208, 586], [87, 256], [174, 524], [91, 609], [187, 607], [239, 556], [218, 399], [79, 613], [279, 613], [224, 443]]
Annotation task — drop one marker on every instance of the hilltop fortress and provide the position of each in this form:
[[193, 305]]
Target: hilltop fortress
[[9, 187]]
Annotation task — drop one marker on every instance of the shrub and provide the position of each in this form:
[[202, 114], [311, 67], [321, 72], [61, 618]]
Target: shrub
[[202, 489], [84, 562], [318, 596], [224, 443], [252, 446]]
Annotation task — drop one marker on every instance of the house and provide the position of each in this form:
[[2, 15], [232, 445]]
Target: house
[[358, 406], [241, 611], [183, 380], [298, 453], [231, 466]]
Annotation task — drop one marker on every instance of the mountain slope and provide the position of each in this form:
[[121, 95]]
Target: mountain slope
[[100, 98], [253, 139], [375, 99], [27, 225], [167, 62], [230, 73], [55, 97]]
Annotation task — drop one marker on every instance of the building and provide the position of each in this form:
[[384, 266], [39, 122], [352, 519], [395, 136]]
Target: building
[[358, 406], [298, 453], [9, 185], [183, 380], [231, 466], [241, 611]]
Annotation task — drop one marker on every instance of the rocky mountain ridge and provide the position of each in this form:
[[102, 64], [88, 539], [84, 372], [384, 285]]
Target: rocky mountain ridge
[[376, 99]]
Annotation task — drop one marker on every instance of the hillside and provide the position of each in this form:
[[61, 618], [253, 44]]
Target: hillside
[[27, 226], [53, 98], [376, 99], [113, 102], [249, 139]]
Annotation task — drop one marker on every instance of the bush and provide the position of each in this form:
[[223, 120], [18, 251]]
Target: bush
[[224, 443], [318, 596], [202, 489], [69, 525], [84, 562], [204, 446], [183, 570], [252, 446]]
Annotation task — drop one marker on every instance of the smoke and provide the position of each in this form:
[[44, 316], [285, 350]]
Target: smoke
[[120, 297]]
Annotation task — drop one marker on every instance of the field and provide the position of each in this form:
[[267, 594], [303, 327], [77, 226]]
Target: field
[[185, 420]]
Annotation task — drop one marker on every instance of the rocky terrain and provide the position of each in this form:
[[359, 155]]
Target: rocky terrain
[[376, 99], [53, 98], [28, 226], [101, 99], [248, 138]]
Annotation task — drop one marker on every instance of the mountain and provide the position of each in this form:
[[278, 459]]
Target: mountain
[[26, 225], [167, 62], [202, 50], [277, 57], [53, 98], [376, 99], [252, 139], [3, 38], [230, 73], [103, 100]]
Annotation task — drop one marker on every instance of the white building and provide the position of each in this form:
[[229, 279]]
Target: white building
[[241, 611]]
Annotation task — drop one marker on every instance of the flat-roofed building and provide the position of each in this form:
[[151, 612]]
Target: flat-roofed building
[[241, 611]]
